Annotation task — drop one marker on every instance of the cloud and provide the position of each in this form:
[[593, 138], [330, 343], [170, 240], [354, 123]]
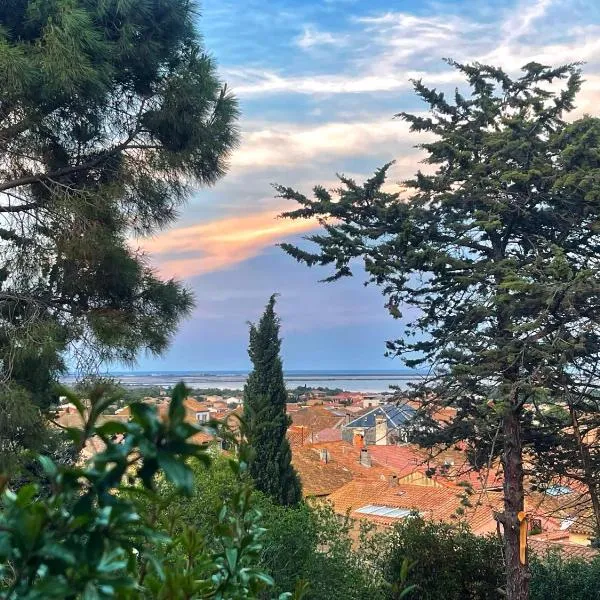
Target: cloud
[[390, 48], [312, 37], [252, 82], [216, 245], [287, 144], [519, 23]]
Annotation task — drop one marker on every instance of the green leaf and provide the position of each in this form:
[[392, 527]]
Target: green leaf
[[232, 555], [111, 428], [48, 466], [58, 551], [176, 471], [176, 406]]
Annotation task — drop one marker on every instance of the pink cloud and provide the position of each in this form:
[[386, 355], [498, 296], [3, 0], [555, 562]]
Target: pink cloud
[[219, 244]]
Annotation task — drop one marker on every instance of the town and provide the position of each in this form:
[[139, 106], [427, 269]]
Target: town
[[353, 450]]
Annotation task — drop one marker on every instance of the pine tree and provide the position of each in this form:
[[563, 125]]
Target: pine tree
[[496, 253], [265, 398], [111, 114]]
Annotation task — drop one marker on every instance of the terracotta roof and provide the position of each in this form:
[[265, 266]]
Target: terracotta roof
[[331, 434], [572, 511], [437, 503], [316, 418], [450, 465], [193, 405], [542, 547], [202, 438], [321, 478]]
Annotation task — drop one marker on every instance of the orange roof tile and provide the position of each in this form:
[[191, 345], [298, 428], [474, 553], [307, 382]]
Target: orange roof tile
[[321, 478], [316, 418], [193, 405], [437, 503], [542, 547], [449, 464]]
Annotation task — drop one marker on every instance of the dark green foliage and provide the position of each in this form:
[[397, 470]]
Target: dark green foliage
[[300, 543], [554, 578], [265, 397], [311, 544], [88, 539], [111, 113], [495, 252], [447, 562]]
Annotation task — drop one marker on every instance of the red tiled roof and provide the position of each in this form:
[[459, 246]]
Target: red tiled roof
[[437, 503], [450, 465], [193, 405], [542, 547], [320, 479], [316, 418], [331, 434]]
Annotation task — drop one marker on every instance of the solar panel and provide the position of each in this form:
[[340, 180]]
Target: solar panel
[[384, 511]]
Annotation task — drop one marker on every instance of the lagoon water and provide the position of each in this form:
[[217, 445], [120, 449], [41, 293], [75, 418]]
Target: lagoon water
[[355, 381]]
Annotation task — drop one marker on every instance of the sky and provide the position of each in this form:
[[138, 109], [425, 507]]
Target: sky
[[319, 83]]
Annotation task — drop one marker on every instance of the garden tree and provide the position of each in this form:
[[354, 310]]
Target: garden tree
[[110, 114], [265, 398], [555, 577], [301, 543], [497, 250]]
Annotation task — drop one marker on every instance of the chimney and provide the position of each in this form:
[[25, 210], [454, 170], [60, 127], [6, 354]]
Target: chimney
[[393, 481], [324, 455], [358, 440], [381, 430], [365, 457]]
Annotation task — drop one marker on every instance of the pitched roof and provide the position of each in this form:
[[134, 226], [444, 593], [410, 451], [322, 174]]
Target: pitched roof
[[542, 547], [331, 434], [316, 418], [436, 503], [449, 464], [397, 415], [573, 509], [191, 404], [321, 478]]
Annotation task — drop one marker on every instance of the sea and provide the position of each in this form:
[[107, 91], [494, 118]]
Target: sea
[[352, 381]]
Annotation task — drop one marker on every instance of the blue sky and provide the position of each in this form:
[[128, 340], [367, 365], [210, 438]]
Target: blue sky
[[318, 85]]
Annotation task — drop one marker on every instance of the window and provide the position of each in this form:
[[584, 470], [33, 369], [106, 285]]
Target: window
[[202, 417], [384, 511], [558, 490]]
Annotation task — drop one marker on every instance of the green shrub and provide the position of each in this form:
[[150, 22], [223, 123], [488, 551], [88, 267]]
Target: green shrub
[[90, 539], [556, 578], [448, 562]]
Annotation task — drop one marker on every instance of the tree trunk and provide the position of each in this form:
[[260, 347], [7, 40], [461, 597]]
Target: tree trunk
[[517, 574]]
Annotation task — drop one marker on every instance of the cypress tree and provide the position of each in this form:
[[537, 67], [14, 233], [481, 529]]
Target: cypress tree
[[264, 409]]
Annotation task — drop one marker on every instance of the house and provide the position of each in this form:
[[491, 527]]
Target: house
[[382, 425], [386, 502], [326, 466], [196, 411], [436, 466], [309, 421], [371, 400]]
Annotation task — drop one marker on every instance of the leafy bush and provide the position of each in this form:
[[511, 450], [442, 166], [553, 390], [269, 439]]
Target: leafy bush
[[555, 578], [88, 538], [311, 544], [447, 562]]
